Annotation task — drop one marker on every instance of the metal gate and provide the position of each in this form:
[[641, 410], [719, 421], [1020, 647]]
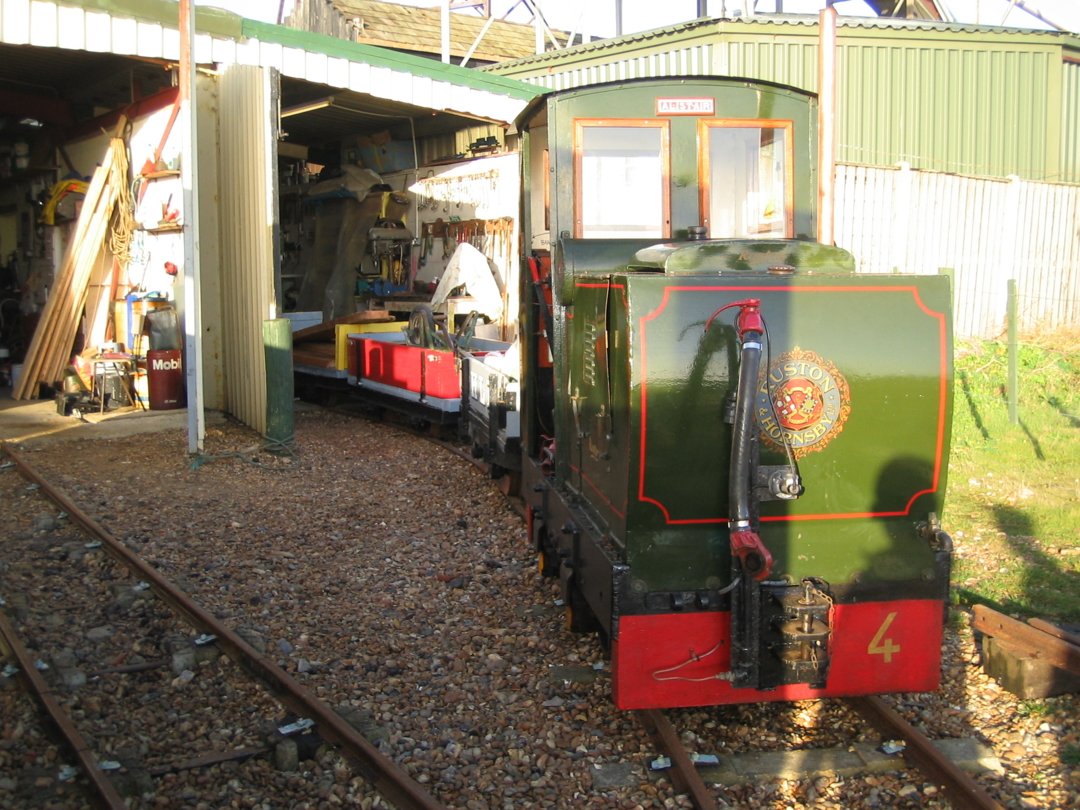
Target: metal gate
[[248, 213]]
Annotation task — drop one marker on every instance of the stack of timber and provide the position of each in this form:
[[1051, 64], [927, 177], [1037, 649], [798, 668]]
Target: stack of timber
[[1036, 659], [50, 350], [315, 345]]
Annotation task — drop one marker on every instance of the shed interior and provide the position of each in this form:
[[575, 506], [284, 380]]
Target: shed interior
[[346, 160]]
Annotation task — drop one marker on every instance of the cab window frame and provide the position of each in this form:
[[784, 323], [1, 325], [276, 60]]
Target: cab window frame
[[705, 128], [663, 126]]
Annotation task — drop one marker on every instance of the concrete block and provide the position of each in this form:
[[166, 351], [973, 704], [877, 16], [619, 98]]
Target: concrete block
[[970, 754], [798, 764], [1026, 677]]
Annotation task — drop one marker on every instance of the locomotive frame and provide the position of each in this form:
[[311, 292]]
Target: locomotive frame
[[734, 448]]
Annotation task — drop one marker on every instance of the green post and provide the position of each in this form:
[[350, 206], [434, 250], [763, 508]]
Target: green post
[[277, 343], [1011, 388], [951, 273]]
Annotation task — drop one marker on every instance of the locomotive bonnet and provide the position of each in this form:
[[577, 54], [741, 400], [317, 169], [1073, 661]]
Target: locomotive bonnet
[[734, 445]]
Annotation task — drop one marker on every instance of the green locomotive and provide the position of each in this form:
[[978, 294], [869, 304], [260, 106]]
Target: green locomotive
[[734, 446]]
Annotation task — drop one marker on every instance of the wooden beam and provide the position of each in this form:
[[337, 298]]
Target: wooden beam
[[326, 331], [55, 111], [137, 109], [1054, 630], [1041, 645]]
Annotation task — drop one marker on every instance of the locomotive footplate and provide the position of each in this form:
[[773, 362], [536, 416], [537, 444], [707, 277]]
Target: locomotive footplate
[[780, 634]]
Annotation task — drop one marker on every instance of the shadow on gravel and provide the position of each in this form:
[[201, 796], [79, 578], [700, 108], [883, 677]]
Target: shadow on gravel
[[1042, 573]]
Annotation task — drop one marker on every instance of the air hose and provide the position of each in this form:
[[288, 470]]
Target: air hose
[[746, 544]]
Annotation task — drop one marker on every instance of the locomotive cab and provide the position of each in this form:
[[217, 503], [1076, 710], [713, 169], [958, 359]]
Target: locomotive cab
[[734, 445]]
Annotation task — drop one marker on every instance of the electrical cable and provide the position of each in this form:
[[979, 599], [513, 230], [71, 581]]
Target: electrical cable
[[123, 224]]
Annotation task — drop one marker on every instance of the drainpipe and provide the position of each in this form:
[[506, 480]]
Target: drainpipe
[[826, 124]]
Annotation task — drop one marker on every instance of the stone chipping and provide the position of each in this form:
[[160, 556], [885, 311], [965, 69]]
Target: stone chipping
[[395, 581]]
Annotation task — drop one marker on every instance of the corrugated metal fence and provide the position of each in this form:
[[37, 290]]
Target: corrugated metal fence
[[985, 231], [246, 227]]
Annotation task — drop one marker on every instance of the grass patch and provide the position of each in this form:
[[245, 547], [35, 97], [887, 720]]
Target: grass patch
[[1033, 708], [1013, 502]]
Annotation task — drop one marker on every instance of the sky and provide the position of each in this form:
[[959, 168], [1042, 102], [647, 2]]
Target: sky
[[597, 17]]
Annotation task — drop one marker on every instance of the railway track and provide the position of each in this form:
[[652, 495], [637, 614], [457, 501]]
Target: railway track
[[593, 713], [919, 751], [963, 792], [310, 712]]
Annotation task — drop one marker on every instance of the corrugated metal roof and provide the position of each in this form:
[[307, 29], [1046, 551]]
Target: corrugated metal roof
[[319, 45], [79, 82], [149, 29], [779, 21]]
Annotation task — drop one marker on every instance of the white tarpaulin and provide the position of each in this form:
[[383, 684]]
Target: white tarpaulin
[[471, 268]]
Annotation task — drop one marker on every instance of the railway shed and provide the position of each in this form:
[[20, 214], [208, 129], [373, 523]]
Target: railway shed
[[271, 104], [958, 146]]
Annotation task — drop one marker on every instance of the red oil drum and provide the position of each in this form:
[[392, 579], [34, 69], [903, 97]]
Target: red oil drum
[[165, 379]]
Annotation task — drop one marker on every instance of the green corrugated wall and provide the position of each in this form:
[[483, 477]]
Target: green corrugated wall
[[978, 101], [970, 104], [1070, 124], [973, 110]]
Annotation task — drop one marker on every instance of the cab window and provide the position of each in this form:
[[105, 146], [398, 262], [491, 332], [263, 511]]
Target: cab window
[[621, 179], [747, 184]]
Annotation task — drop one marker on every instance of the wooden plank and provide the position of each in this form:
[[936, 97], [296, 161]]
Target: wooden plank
[[49, 339], [86, 258], [209, 760], [1043, 646], [325, 331], [1012, 666], [51, 344], [1055, 631], [39, 343], [319, 355]]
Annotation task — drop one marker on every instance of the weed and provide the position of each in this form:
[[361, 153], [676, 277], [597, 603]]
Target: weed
[[1033, 708], [1013, 500]]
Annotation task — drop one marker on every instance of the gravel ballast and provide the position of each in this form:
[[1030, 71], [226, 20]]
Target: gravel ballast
[[390, 576]]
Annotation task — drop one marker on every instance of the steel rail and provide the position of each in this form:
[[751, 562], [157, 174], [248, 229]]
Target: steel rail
[[101, 783], [377, 768], [963, 792], [683, 773]]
